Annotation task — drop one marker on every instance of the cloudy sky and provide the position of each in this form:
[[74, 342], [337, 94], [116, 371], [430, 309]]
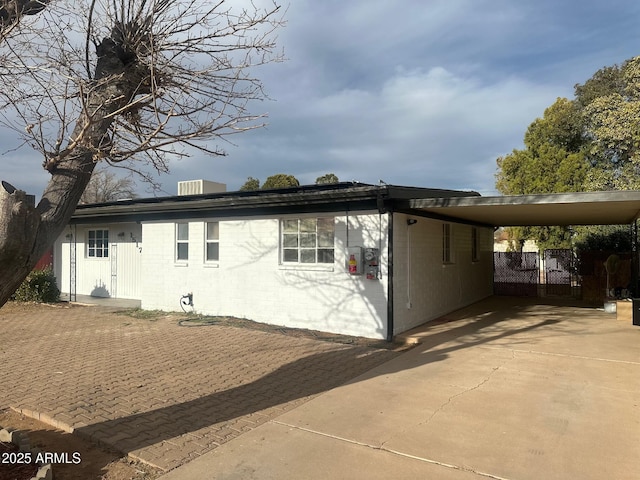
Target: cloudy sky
[[423, 93]]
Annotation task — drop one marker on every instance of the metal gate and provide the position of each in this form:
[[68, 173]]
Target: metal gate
[[559, 268], [553, 272], [516, 273]]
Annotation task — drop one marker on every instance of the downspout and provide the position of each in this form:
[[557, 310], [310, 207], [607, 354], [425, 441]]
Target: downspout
[[346, 213], [72, 262], [390, 278], [382, 208]]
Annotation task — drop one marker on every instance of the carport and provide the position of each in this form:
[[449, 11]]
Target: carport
[[561, 209], [584, 208]]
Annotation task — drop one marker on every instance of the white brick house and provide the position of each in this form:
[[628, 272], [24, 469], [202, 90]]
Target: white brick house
[[283, 256]]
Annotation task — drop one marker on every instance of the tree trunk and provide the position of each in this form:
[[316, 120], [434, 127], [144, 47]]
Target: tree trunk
[[26, 232], [19, 222]]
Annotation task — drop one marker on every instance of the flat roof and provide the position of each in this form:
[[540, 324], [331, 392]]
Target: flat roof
[[582, 208], [305, 198]]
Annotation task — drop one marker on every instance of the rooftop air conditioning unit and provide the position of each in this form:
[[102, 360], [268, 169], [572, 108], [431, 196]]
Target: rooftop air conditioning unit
[[198, 187]]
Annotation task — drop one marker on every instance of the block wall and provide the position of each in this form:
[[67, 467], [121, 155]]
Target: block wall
[[425, 287], [250, 280]]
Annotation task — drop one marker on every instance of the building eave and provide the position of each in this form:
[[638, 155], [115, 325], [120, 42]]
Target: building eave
[[316, 198]]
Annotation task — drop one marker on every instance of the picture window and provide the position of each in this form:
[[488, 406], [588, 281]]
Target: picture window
[[308, 240]]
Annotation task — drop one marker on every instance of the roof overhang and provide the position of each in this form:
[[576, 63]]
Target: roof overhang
[[584, 208], [346, 196]]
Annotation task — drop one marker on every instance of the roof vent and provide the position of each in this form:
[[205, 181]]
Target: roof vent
[[198, 187]]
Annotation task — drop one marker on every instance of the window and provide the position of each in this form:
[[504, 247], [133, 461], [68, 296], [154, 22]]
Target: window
[[98, 243], [212, 236], [308, 240], [474, 244], [446, 243], [182, 241]]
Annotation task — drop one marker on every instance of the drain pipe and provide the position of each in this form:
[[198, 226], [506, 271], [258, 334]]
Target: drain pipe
[[390, 278], [388, 209]]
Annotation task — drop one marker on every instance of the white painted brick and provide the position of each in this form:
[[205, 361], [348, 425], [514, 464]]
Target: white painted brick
[[249, 281], [422, 280]]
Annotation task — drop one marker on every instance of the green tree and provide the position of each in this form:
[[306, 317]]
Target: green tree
[[250, 184], [590, 143], [327, 179], [604, 238], [553, 161], [561, 126], [280, 180], [613, 123], [604, 82]]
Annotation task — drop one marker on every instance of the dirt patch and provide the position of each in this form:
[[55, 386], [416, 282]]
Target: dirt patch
[[95, 462], [196, 320], [15, 471]]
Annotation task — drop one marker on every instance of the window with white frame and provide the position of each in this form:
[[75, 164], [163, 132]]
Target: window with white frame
[[98, 243], [446, 243], [182, 241], [211, 241], [308, 240]]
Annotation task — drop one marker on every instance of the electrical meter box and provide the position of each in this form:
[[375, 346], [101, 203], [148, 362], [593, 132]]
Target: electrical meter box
[[363, 261], [372, 263], [355, 260]]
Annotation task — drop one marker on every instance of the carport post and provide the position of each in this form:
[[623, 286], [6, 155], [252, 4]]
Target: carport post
[[635, 260]]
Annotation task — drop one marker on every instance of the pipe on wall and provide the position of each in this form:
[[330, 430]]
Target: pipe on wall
[[390, 325]]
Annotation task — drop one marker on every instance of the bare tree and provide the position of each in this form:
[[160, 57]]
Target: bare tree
[[106, 186], [12, 11], [133, 82]]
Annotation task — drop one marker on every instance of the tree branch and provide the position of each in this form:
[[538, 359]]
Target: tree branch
[[169, 76], [12, 11]]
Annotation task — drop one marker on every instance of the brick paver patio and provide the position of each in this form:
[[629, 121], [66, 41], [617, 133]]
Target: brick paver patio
[[160, 392]]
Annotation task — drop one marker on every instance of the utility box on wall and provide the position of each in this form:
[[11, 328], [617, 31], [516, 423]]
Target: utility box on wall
[[355, 260], [363, 261], [371, 263]]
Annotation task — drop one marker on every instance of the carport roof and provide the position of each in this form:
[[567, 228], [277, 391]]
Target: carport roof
[[584, 208]]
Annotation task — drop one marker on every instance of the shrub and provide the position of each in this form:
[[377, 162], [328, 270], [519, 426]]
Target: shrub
[[39, 286]]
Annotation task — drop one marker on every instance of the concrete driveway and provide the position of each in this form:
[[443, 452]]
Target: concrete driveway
[[510, 388]]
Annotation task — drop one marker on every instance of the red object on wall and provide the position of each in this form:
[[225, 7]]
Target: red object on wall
[[353, 265], [46, 261]]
